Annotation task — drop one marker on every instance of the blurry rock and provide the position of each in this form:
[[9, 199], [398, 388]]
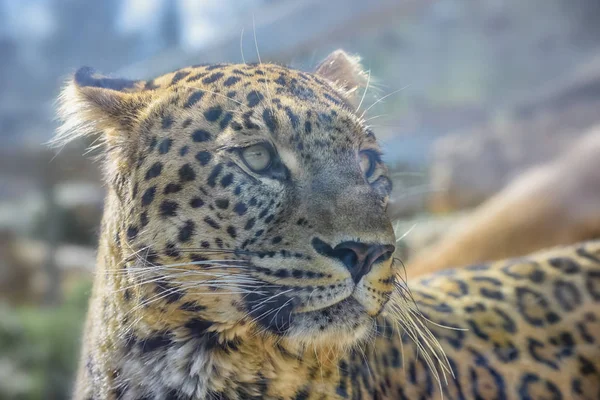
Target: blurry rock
[[421, 231], [553, 204], [410, 193], [22, 278], [470, 167], [16, 276]]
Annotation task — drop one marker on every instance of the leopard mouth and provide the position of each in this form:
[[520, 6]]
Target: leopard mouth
[[342, 323], [279, 313]]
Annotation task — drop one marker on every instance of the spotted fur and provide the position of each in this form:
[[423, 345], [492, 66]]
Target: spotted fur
[[215, 281]]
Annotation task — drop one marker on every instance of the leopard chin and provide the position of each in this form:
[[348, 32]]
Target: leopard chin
[[343, 325]]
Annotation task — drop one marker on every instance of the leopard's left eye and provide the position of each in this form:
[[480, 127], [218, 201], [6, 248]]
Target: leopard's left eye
[[258, 157], [368, 163]]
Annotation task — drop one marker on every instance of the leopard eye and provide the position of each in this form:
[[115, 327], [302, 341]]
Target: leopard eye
[[257, 157], [367, 163]]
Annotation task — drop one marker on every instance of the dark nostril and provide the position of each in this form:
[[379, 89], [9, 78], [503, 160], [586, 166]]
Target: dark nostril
[[346, 256], [359, 258]]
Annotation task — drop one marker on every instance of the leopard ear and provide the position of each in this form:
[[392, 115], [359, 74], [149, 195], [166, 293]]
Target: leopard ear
[[92, 104], [345, 72]]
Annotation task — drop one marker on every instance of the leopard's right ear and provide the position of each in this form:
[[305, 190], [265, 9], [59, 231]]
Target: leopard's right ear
[[93, 104], [345, 72]]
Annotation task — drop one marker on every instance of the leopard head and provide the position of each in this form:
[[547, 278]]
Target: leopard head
[[248, 199]]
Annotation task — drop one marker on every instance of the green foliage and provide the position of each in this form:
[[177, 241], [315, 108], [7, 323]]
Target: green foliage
[[39, 348]]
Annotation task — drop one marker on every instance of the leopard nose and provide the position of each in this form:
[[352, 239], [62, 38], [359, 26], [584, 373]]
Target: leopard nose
[[359, 258]]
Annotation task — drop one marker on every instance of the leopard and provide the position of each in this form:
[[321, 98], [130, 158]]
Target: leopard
[[246, 253]]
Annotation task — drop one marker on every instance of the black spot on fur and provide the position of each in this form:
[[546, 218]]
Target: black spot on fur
[[171, 250], [196, 77], [212, 223], [592, 284], [179, 76], [165, 146], [198, 327], [567, 294], [148, 196], [132, 232], [154, 171], [222, 203], [332, 99], [186, 232], [282, 273], [213, 113], [293, 117], [227, 180], [211, 181], [533, 346], [144, 219], [213, 78], [232, 80], [192, 307], [302, 395], [196, 202], [231, 231], [169, 293], [186, 173], [167, 122], [155, 342], [193, 99], [172, 188], [258, 304], [280, 80], [307, 127], [250, 224], [203, 157], [201, 135], [240, 208], [254, 98], [211, 67], [270, 120], [168, 208], [225, 121], [247, 122]]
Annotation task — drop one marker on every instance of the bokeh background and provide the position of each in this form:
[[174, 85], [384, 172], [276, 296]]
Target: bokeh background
[[489, 129]]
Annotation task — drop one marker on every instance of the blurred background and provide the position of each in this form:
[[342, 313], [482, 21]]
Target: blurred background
[[491, 129]]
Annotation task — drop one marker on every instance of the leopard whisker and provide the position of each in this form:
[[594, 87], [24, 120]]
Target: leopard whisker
[[277, 312], [405, 234], [167, 278], [217, 94], [365, 91], [242, 46], [426, 343], [271, 298], [381, 99], [260, 63]]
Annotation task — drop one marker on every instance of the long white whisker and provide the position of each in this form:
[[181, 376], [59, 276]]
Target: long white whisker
[[381, 99], [242, 46], [406, 233], [260, 63], [365, 92], [217, 94]]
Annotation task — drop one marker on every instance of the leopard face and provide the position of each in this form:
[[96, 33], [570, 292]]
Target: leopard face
[[252, 199]]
